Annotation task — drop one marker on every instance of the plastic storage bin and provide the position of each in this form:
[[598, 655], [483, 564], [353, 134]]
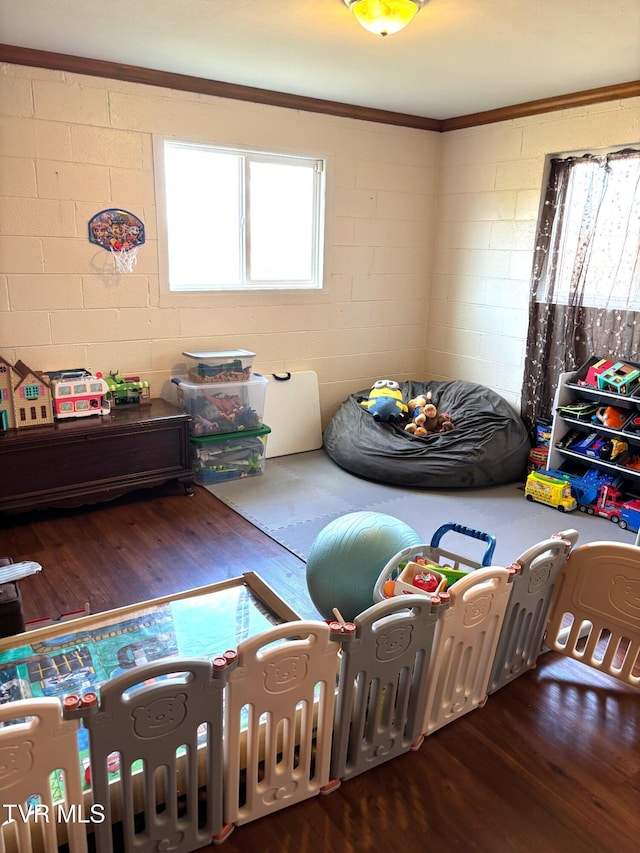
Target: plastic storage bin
[[216, 458], [233, 365], [222, 407]]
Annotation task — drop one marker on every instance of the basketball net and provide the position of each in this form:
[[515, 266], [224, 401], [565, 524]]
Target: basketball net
[[125, 259]]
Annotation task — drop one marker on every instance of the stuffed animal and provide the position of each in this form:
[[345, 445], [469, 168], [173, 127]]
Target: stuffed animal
[[425, 418], [385, 402]]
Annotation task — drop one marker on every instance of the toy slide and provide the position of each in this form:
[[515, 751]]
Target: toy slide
[[292, 410]]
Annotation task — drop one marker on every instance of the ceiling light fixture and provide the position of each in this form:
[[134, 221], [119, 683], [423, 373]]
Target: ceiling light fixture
[[385, 17]]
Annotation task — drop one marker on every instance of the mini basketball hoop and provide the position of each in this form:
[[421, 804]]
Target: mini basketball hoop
[[124, 260], [120, 233]]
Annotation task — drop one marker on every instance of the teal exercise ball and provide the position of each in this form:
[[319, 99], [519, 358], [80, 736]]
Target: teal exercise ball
[[346, 559]]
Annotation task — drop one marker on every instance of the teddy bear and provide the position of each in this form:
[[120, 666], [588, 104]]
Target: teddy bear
[[425, 418]]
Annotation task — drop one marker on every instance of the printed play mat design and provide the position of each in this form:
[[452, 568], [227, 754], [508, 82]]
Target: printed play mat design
[[203, 626], [105, 645]]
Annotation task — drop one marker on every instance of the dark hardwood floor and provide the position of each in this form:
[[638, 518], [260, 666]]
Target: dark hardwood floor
[[550, 764]]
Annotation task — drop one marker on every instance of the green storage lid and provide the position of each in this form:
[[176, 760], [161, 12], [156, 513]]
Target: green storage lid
[[231, 436]]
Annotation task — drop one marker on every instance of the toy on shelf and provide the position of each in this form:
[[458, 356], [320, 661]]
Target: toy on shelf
[[385, 402], [568, 439], [25, 396], [612, 449], [621, 378], [78, 392], [611, 417], [596, 446], [632, 425], [594, 370], [632, 462], [128, 389], [579, 410]]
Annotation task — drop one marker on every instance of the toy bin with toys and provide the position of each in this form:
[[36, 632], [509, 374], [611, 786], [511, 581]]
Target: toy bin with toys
[[428, 568], [223, 366], [215, 458], [222, 407]]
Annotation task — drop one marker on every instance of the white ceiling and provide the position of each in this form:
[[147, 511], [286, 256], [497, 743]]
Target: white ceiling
[[457, 57]]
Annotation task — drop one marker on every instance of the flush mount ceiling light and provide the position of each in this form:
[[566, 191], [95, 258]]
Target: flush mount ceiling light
[[384, 17]]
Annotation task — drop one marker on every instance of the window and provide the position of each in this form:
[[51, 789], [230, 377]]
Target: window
[[585, 288], [32, 392], [597, 234], [240, 219]]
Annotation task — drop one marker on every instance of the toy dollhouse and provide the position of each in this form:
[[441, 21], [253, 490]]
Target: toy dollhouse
[[25, 396]]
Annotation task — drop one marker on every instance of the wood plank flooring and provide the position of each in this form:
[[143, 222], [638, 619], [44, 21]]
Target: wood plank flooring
[[551, 764]]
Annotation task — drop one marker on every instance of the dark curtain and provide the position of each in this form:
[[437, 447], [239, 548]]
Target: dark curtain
[[585, 291]]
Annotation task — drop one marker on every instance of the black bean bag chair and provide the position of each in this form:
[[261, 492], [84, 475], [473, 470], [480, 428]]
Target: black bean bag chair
[[488, 445]]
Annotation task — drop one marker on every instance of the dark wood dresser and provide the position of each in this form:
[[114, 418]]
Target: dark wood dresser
[[84, 460]]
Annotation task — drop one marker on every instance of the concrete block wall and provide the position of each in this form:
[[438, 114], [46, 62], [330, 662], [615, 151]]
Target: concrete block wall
[[429, 240], [73, 145], [489, 194]]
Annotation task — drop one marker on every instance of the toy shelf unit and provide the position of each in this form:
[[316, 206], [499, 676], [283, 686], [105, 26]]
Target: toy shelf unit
[[596, 426]]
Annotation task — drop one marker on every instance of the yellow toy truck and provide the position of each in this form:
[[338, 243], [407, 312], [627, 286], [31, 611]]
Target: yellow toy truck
[[550, 491]]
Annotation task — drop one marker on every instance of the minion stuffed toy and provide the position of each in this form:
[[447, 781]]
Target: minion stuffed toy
[[385, 402]]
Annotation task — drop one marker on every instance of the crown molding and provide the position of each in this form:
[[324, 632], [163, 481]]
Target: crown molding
[[136, 74], [184, 83], [616, 92]]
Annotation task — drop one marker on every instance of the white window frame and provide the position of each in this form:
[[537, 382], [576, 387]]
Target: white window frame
[[248, 156]]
